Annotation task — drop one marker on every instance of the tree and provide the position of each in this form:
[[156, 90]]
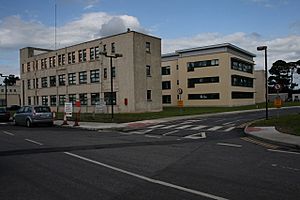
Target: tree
[[280, 74], [11, 80]]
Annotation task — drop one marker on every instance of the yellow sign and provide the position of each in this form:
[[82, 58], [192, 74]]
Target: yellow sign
[[278, 102], [180, 103]]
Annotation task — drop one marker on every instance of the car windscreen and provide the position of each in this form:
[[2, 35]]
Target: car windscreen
[[41, 109], [2, 110]]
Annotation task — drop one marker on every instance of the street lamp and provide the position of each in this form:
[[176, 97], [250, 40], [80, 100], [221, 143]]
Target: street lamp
[[264, 48], [116, 55], [5, 80]]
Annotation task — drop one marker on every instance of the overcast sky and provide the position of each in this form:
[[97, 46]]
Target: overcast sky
[[180, 24]]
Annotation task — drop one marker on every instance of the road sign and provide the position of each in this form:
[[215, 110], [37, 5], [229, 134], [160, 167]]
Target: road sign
[[180, 103], [277, 87], [179, 91], [277, 102], [68, 109]]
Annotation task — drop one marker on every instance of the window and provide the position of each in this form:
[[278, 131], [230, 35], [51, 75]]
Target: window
[[80, 55], [42, 64], [50, 62], [45, 63], [240, 65], [72, 98], [37, 100], [53, 100], [28, 84], [72, 78], [83, 99], [97, 52], [148, 70], [95, 97], [148, 47], [241, 81], [29, 101], [107, 98], [84, 55], [36, 65], [105, 73], [166, 85], [36, 83], [53, 61], [198, 64], [193, 81], [177, 82], [82, 77], [113, 72], [61, 99], [52, 81], [59, 60], [166, 70], [242, 95], [166, 99], [62, 79], [104, 48], [44, 82], [28, 67], [208, 96], [113, 48], [73, 57], [44, 100], [69, 58], [94, 76], [92, 53], [149, 95], [63, 59]]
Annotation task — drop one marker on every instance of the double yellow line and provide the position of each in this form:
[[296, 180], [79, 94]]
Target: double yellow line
[[269, 146]]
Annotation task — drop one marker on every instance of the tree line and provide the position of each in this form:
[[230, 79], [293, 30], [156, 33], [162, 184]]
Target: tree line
[[282, 73]]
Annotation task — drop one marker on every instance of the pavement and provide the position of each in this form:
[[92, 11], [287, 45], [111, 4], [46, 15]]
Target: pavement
[[268, 134]]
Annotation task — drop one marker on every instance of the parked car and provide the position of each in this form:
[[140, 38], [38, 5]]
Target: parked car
[[4, 114], [33, 115], [13, 108]]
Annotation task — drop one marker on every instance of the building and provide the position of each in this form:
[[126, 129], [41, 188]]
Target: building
[[82, 73], [13, 94], [217, 75], [260, 86]]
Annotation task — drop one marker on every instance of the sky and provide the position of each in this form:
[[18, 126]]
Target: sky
[[180, 24]]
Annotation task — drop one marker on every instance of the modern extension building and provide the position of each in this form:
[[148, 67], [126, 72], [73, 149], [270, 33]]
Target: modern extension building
[[217, 75], [81, 73], [12, 94]]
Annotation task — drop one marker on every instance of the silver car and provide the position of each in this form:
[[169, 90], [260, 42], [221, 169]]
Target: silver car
[[32, 115]]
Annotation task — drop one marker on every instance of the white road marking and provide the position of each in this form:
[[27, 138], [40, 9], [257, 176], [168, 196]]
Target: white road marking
[[198, 127], [229, 129], [3, 123], [220, 120], [215, 128], [153, 136], [196, 136], [186, 122], [171, 126], [169, 133], [280, 151], [183, 127], [228, 123], [8, 133], [156, 126], [229, 145], [34, 142], [145, 178]]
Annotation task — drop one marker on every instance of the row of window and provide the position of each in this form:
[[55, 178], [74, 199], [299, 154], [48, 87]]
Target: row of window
[[167, 99], [242, 81], [9, 90], [193, 81], [94, 54], [204, 63], [241, 65]]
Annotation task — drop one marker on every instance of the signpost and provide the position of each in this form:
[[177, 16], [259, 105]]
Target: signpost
[[180, 102], [68, 109]]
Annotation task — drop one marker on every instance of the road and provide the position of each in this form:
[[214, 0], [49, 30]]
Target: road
[[200, 158]]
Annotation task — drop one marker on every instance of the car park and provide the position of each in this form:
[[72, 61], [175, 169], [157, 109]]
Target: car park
[[4, 114], [33, 115], [13, 108]]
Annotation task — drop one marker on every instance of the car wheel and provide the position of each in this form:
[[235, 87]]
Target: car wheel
[[28, 123]]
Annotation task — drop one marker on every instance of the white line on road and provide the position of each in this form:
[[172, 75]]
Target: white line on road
[[156, 126], [145, 178], [228, 123], [171, 126], [229, 129], [183, 127], [169, 133], [153, 136], [8, 133], [229, 145], [34, 142], [280, 151], [215, 128], [196, 136], [198, 127]]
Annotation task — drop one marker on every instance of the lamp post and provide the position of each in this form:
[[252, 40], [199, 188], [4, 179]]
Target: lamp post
[[116, 55], [5, 80], [264, 48]]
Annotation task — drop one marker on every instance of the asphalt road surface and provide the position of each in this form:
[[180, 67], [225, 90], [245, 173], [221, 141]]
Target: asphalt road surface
[[201, 158]]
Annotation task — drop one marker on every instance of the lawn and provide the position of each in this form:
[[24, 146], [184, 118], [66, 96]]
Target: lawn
[[286, 124], [167, 112]]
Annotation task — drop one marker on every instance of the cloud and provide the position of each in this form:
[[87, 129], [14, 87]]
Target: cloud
[[270, 3], [286, 48]]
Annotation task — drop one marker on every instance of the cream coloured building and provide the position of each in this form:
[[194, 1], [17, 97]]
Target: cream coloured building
[[216, 75], [13, 94], [81, 73]]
